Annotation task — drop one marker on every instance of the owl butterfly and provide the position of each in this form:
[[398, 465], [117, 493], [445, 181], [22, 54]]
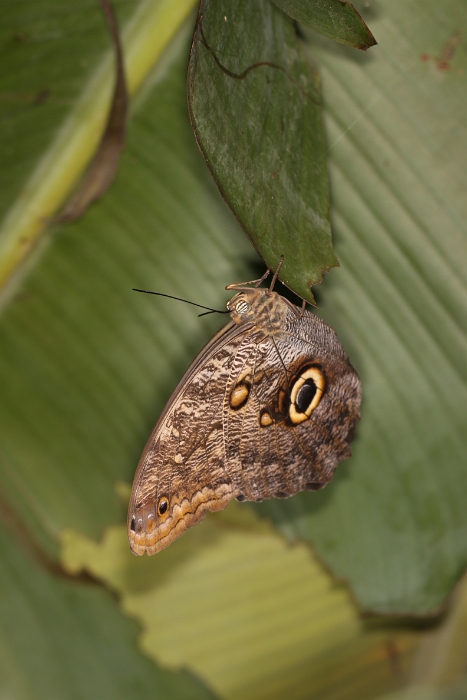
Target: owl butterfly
[[267, 409]]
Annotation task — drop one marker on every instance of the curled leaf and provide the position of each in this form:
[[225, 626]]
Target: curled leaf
[[104, 165]]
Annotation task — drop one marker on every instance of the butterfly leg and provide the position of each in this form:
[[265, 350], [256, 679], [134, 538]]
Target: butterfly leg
[[243, 285], [274, 278]]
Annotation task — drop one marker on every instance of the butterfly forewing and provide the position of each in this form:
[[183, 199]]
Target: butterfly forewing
[[183, 460]]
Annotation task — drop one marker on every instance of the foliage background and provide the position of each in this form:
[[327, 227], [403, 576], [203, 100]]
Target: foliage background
[[86, 365]]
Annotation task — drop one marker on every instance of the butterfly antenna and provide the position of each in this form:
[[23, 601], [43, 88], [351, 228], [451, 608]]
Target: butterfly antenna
[[213, 311], [169, 296]]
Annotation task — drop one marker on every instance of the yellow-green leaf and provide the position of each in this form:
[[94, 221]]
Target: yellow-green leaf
[[250, 615]]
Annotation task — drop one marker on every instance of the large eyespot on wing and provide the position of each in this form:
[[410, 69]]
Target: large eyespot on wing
[[317, 405], [306, 393]]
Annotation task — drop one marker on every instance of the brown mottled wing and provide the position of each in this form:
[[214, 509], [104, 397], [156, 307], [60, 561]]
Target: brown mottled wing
[[183, 462], [267, 454], [229, 429]]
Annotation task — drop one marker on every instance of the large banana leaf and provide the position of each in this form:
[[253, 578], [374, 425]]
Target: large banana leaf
[[87, 364]]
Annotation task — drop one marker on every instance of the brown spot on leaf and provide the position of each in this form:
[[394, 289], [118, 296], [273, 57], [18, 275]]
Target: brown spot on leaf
[[443, 61]]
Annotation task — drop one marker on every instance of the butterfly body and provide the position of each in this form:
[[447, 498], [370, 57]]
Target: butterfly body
[[267, 409]]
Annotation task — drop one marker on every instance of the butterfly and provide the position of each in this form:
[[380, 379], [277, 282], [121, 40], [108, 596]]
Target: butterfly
[[267, 409]]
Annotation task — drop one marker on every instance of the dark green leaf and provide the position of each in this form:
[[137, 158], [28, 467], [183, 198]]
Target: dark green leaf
[[334, 19], [255, 107]]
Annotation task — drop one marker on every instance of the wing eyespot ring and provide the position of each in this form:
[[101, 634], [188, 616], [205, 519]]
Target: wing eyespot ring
[[306, 393], [162, 506]]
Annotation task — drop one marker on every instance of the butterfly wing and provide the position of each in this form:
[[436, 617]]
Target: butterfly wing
[[181, 473], [301, 401], [268, 408]]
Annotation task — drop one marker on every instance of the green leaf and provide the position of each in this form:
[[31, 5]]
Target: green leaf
[[249, 615], [334, 19], [255, 107], [87, 365], [62, 639], [394, 522]]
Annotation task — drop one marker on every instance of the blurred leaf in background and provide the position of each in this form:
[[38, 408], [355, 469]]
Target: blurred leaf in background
[[87, 365]]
